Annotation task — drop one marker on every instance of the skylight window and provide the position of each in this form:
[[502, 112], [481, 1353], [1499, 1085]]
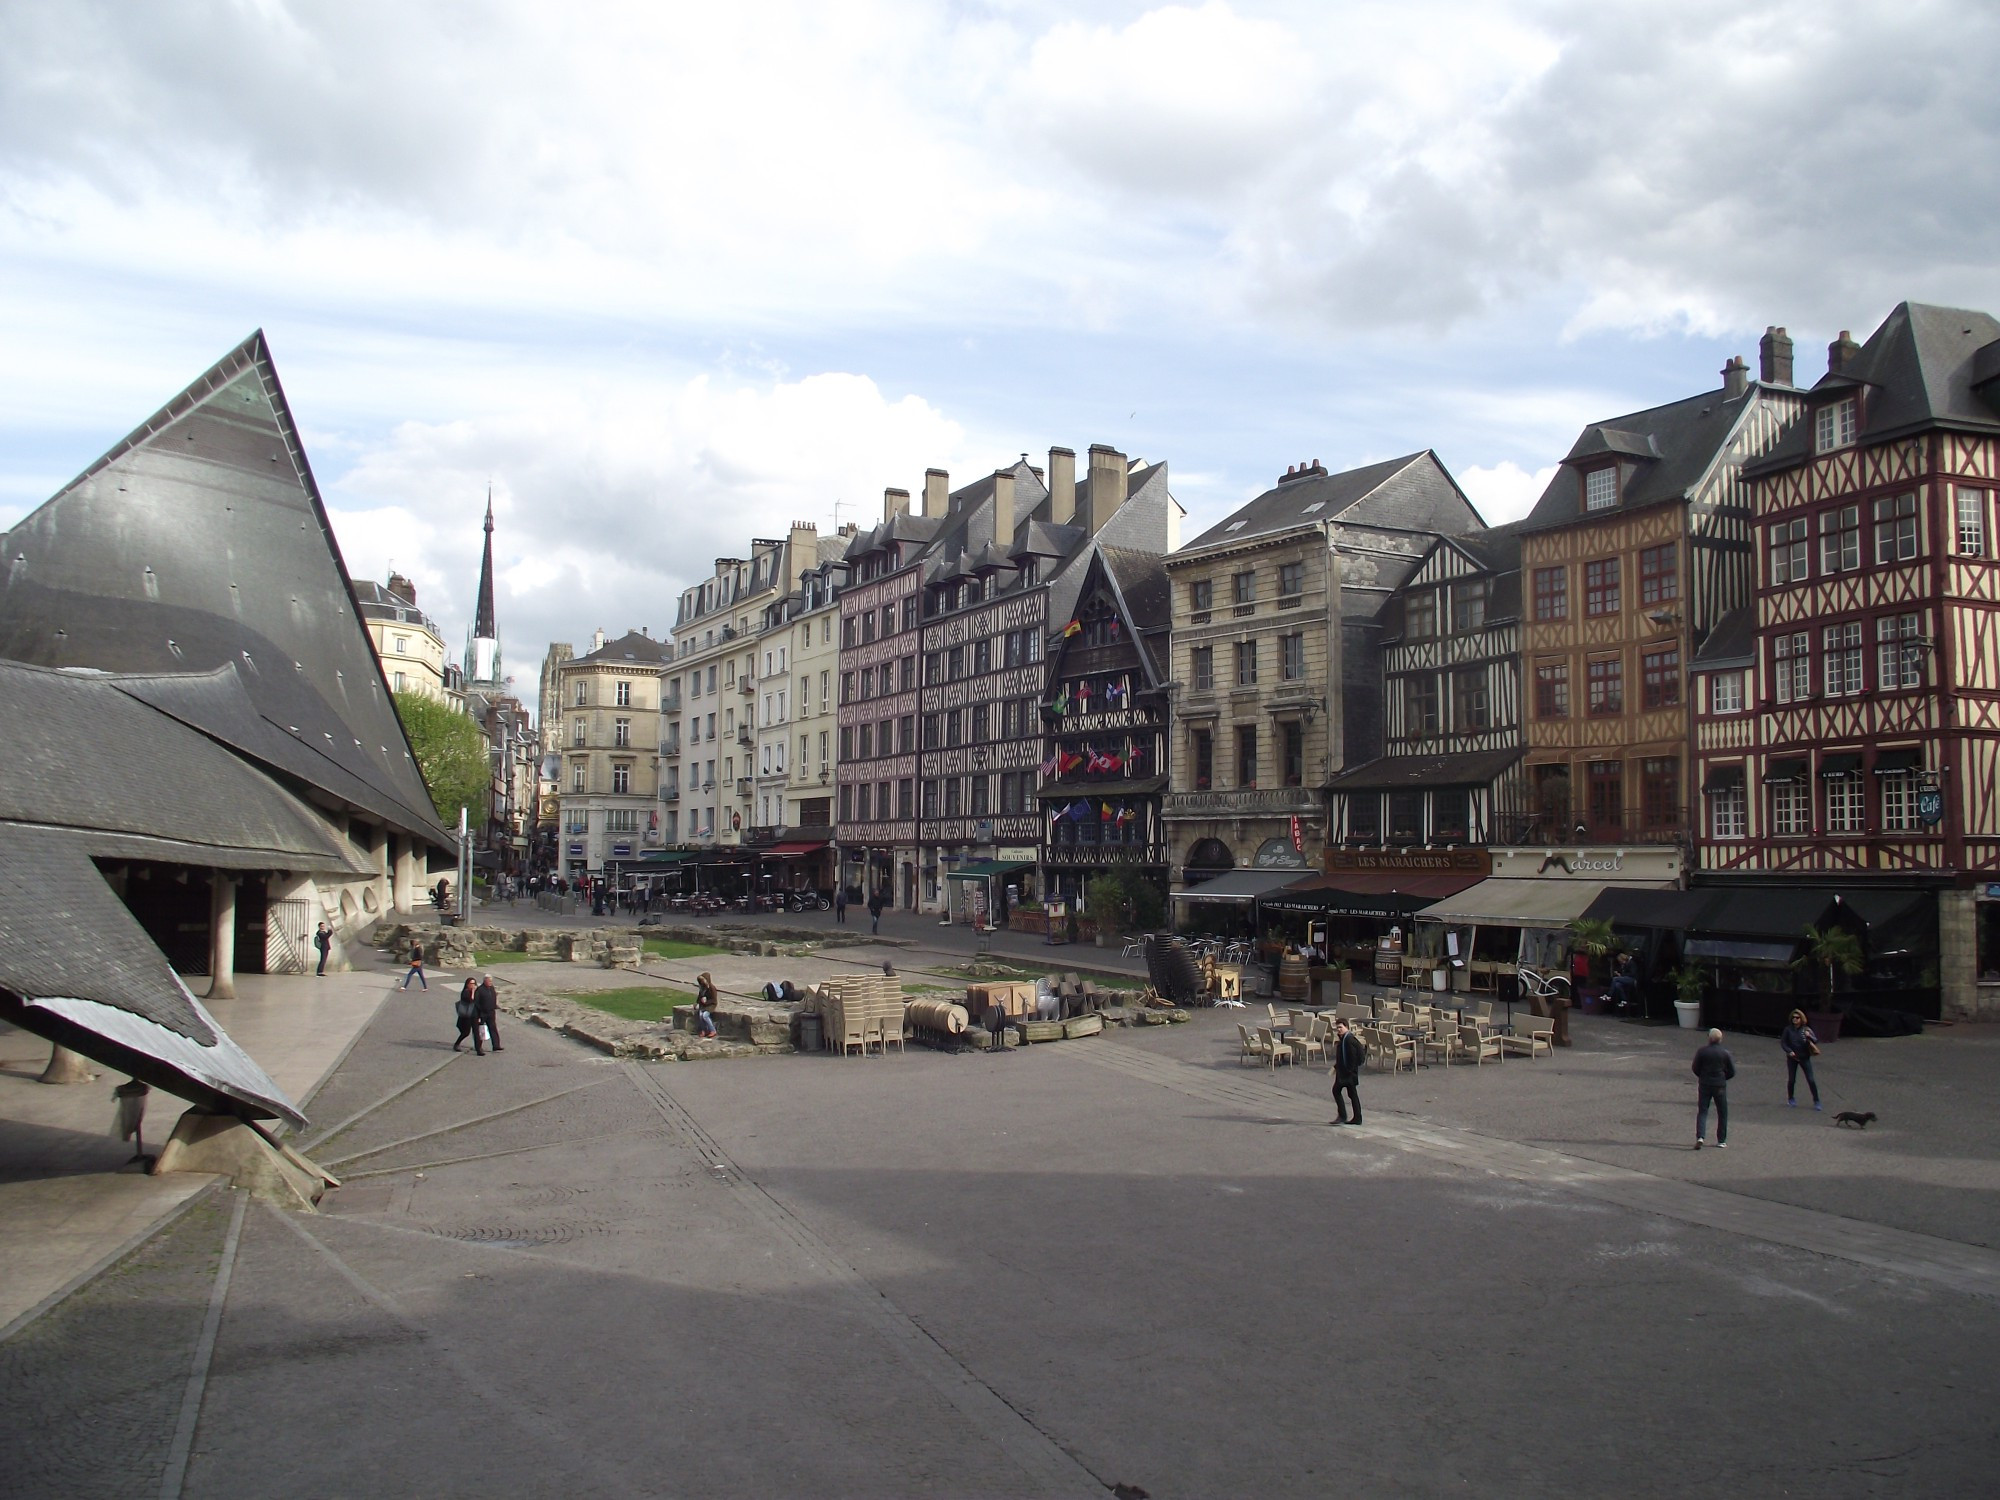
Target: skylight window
[[1234, 526], [1316, 505]]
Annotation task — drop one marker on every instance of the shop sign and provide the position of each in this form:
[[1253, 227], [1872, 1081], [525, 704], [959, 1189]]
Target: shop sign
[[576, 849], [1017, 853], [621, 850], [1277, 854], [1930, 804], [1468, 861], [982, 830]]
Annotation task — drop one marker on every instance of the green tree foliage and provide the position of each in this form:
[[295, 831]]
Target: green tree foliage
[[1831, 948], [1125, 902], [451, 753]]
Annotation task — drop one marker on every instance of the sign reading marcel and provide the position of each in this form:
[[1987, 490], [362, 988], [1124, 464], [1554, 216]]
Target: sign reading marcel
[[1646, 863]]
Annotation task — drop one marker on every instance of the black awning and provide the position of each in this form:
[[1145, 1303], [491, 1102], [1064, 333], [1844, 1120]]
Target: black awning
[[1888, 761], [1763, 911], [1665, 911], [1845, 763], [1784, 770], [1723, 778]]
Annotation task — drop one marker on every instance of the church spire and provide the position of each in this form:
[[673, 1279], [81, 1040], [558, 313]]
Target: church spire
[[483, 626]]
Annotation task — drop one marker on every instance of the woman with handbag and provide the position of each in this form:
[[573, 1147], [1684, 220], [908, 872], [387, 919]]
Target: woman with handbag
[[467, 1011], [1800, 1047]]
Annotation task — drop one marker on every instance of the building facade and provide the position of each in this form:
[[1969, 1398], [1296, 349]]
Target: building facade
[[611, 754], [406, 640]]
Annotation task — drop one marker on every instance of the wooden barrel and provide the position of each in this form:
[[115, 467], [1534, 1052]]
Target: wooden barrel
[[937, 1015]]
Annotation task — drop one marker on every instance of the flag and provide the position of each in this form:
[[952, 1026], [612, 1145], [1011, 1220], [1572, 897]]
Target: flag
[[1070, 761], [1073, 628], [1050, 766], [1105, 814]]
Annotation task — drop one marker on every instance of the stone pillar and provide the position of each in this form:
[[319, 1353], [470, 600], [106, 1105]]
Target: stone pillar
[[409, 854], [66, 1066], [222, 936], [378, 856], [1958, 956]]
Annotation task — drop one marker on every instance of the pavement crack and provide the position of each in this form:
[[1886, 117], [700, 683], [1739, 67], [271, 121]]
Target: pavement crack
[[425, 1135]]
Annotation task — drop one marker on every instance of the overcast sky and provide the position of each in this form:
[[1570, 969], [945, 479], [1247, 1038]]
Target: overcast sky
[[672, 275]]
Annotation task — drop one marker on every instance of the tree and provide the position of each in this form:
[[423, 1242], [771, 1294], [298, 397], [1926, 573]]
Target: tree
[[1593, 935], [451, 753], [1829, 949]]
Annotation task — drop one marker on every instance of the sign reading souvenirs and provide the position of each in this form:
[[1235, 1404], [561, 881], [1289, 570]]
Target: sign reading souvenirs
[[1472, 861]]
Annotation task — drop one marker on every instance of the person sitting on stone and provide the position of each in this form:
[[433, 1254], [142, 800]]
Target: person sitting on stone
[[705, 1000]]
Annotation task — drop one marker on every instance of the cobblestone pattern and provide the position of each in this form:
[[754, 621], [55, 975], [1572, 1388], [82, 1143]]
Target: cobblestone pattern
[[90, 1392]]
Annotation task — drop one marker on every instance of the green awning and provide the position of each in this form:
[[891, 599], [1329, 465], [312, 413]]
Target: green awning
[[982, 869], [666, 857]]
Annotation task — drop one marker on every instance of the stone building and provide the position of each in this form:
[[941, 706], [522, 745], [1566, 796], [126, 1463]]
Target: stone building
[[406, 640], [549, 720], [1276, 655], [611, 753]]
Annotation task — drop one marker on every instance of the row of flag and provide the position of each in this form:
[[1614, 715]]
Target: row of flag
[[1093, 761], [1115, 692], [1080, 811]]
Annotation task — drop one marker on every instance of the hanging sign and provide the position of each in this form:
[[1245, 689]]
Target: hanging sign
[[1298, 838], [1930, 804]]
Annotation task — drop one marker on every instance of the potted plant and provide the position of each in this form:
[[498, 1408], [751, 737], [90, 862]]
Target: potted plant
[[1593, 937], [1689, 985], [1827, 950]]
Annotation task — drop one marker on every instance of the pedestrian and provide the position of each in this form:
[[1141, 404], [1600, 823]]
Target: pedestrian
[[466, 1011], [705, 998], [416, 970], [323, 940], [1800, 1047], [1348, 1056], [1714, 1067], [486, 1000], [875, 905], [840, 904]]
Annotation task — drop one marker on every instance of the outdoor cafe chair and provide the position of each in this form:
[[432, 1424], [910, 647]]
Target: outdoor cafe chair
[[1531, 1034], [1478, 1045], [1388, 1050], [1311, 1042], [1250, 1048], [1271, 1049]]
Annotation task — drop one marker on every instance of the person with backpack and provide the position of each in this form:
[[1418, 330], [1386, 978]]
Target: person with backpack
[[323, 940], [1349, 1054], [416, 970]]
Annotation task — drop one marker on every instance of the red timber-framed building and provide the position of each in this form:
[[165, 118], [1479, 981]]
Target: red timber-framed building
[[1849, 738]]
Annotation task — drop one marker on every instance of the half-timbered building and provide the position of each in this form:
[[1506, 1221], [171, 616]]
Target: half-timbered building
[[1639, 546], [1449, 774], [1860, 749], [1106, 715]]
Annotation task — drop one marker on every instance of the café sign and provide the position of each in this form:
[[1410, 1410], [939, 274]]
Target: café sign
[[1467, 861]]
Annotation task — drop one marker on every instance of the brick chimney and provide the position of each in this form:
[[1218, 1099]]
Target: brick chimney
[[895, 503], [1774, 356], [1062, 486], [1003, 507], [402, 588], [1840, 352], [1735, 377], [937, 493], [801, 552], [1107, 486]]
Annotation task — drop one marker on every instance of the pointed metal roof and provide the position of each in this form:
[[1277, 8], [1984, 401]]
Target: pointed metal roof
[[200, 541], [483, 626]]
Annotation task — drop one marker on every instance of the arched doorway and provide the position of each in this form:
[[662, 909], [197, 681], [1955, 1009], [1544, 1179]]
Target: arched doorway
[[1206, 860]]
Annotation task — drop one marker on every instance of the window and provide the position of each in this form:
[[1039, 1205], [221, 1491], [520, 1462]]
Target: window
[[1292, 752], [1471, 709], [1789, 563], [1660, 678], [822, 747], [1203, 667], [622, 695], [1292, 657], [864, 798], [954, 664], [804, 762], [954, 797], [1034, 645], [1468, 606], [910, 613], [1969, 506], [1451, 812], [1844, 803], [1833, 425], [909, 673], [930, 799], [1840, 669], [1659, 575], [1840, 539], [865, 737], [1552, 690], [576, 776], [621, 733], [402, 682], [1406, 817], [1551, 593], [1246, 755], [581, 689], [867, 683], [1291, 584], [1659, 792], [1606, 685], [621, 778], [982, 657], [1421, 695], [1726, 812], [1899, 800], [847, 804], [868, 627], [1243, 589], [888, 619], [1895, 528], [846, 742], [953, 725], [1600, 587], [1725, 693], [576, 731], [980, 724], [980, 793], [1201, 745], [931, 732], [1420, 615], [1364, 818], [1606, 779], [1600, 488], [1791, 807], [1246, 663], [1201, 598], [1793, 668], [846, 687], [825, 679], [906, 733], [1899, 660]]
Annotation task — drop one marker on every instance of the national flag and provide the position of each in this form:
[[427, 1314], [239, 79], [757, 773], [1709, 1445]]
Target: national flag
[[1105, 813], [1074, 627]]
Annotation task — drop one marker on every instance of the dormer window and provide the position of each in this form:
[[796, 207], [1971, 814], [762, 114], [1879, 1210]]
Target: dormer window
[[1834, 425], [1600, 488]]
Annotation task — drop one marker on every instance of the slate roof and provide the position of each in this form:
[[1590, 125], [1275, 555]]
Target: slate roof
[[1414, 492], [631, 646], [88, 760], [1925, 366], [1397, 773], [1671, 446], [1733, 641], [201, 540]]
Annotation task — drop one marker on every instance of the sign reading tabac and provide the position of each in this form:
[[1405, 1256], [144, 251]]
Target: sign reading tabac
[[1468, 861]]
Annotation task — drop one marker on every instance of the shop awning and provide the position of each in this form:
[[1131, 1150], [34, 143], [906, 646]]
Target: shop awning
[[1368, 893], [1665, 911], [1740, 951], [1846, 763], [986, 869], [791, 851], [1890, 761], [1238, 885], [1514, 901], [666, 856], [1766, 911], [1723, 778], [1784, 770]]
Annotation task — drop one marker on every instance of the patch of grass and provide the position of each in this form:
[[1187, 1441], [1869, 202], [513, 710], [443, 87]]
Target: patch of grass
[[486, 958], [641, 1003], [659, 947]]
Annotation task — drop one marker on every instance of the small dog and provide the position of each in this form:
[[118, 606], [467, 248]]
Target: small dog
[[1859, 1118]]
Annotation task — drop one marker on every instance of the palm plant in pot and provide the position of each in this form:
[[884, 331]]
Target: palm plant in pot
[[1593, 937]]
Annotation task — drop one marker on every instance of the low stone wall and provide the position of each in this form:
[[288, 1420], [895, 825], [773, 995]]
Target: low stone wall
[[459, 947]]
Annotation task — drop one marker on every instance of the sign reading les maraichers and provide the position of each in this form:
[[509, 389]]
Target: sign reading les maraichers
[[1466, 861]]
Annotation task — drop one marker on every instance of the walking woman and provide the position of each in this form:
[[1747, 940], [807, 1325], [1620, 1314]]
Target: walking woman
[[1801, 1047], [467, 1011]]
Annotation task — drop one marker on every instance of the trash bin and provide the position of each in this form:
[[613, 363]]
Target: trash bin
[[1440, 979], [809, 1033], [1689, 1012]]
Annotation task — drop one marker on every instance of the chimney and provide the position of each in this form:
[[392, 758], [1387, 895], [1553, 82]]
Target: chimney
[[1062, 486], [597, 639], [937, 493], [801, 552], [1774, 357], [402, 588], [1107, 485], [1840, 352], [895, 503], [1735, 378], [1003, 507]]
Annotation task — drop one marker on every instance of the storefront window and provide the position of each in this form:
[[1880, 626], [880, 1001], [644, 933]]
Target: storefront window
[[1988, 922], [1406, 815]]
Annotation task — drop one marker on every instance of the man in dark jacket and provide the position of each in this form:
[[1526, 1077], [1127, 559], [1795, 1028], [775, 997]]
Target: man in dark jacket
[[1713, 1067], [1348, 1056], [323, 940], [486, 1001], [875, 904]]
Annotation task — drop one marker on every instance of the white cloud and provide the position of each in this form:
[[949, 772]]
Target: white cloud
[[1505, 492]]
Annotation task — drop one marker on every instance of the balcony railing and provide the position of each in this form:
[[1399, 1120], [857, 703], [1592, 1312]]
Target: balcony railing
[[670, 749], [1265, 801], [671, 704], [1554, 827], [670, 794], [749, 687], [743, 736], [743, 786], [1105, 854]]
